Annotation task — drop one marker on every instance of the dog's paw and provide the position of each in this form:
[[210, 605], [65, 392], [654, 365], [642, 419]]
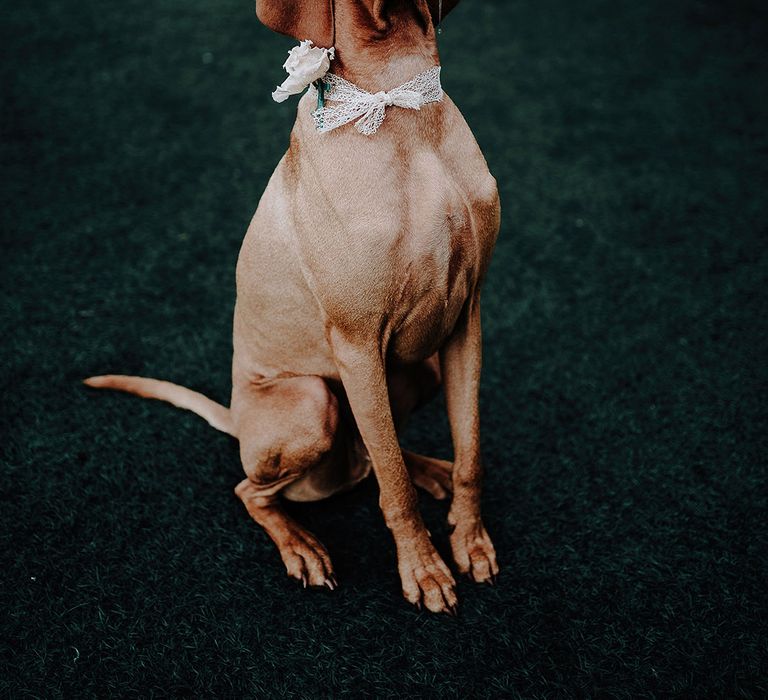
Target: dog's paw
[[432, 475], [307, 560], [474, 553], [427, 580]]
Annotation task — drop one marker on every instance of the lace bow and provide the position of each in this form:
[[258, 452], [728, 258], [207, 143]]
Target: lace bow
[[369, 108]]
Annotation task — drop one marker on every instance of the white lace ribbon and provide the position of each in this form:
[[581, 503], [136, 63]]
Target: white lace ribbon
[[369, 108]]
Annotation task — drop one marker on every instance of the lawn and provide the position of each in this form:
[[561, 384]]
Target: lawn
[[625, 421]]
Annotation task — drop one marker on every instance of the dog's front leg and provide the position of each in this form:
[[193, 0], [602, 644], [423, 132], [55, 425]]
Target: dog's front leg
[[424, 575], [460, 359]]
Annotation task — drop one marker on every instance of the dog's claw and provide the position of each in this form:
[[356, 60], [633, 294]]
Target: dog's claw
[[329, 584], [304, 580]]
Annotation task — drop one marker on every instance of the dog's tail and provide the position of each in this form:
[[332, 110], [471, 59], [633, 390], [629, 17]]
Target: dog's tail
[[216, 414]]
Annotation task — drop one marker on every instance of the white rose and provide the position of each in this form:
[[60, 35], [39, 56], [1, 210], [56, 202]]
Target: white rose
[[305, 64]]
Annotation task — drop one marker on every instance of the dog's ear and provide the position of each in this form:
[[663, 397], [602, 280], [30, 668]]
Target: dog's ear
[[434, 9], [301, 19]]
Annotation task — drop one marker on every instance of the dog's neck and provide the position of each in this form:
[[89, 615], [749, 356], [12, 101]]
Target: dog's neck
[[381, 44]]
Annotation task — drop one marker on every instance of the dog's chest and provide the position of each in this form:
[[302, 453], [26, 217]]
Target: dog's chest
[[445, 267], [405, 262], [395, 238]]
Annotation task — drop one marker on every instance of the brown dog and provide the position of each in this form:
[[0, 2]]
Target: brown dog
[[358, 293]]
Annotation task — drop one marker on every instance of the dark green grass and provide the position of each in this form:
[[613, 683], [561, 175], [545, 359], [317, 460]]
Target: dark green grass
[[623, 400]]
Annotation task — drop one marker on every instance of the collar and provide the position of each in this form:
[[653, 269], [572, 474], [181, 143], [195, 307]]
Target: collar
[[354, 103]]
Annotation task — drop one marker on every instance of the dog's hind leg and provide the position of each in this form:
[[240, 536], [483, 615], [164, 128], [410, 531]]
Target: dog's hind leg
[[410, 387], [287, 428], [305, 558]]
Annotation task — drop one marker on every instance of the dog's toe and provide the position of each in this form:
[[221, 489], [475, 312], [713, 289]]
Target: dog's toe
[[307, 560], [483, 568], [426, 579], [474, 553], [438, 596]]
